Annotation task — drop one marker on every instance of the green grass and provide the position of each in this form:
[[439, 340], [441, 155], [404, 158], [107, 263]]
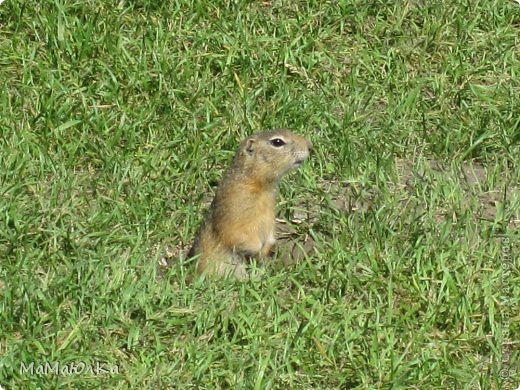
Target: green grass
[[117, 119]]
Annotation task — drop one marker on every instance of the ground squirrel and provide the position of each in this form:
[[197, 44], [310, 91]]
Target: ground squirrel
[[240, 222]]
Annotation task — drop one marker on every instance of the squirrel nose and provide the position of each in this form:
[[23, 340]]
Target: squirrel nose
[[310, 146]]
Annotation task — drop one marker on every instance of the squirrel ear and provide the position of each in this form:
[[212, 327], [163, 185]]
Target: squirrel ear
[[249, 146]]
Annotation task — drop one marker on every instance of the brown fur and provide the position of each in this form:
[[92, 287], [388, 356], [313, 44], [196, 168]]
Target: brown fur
[[240, 221]]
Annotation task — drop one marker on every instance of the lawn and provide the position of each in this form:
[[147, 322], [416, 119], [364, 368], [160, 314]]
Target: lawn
[[117, 121]]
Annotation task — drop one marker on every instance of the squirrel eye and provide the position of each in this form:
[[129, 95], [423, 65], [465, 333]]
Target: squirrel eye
[[277, 142]]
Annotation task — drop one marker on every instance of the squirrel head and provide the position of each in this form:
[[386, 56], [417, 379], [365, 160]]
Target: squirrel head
[[269, 155]]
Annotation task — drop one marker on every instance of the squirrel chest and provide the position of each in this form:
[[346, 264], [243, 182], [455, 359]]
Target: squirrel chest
[[247, 225]]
